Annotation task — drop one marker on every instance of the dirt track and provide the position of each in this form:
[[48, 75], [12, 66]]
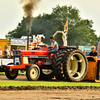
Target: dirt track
[[47, 93], [19, 78]]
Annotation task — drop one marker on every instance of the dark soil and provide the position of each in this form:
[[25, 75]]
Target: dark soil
[[75, 88]]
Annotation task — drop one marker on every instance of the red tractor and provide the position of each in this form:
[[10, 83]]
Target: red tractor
[[68, 63]]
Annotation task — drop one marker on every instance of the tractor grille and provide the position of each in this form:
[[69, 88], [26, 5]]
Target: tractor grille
[[16, 52], [17, 57]]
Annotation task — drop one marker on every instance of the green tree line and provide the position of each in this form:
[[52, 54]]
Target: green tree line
[[80, 31]]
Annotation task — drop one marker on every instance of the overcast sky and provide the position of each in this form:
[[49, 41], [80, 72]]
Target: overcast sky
[[11, 12]]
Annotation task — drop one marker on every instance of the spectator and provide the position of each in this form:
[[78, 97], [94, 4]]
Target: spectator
[[84, 52], [93, 53], [0, 52], [11, 53], [18, 49], [77, 47], [5, 52]]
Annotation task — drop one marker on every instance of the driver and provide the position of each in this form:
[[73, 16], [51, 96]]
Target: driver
[[93, 53], [54, 46]]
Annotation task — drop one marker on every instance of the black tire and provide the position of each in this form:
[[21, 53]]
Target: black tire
[[46, 76], [58, 65], [11, 74], [33, 72], [75, 66]]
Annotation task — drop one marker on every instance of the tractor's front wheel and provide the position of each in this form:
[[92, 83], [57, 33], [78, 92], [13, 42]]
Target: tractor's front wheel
[[33, 72], [11, 74]]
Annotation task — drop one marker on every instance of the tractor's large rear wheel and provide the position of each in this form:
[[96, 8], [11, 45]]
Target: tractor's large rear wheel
[[75, 66], [58, 65], [11, 74]]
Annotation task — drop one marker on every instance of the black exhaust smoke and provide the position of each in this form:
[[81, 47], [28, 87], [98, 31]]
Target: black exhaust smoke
[[29, 6]]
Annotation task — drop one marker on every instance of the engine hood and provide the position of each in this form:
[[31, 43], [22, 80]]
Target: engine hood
[[34, 52]]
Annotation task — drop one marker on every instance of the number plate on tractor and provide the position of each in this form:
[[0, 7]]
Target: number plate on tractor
[[16, 60]]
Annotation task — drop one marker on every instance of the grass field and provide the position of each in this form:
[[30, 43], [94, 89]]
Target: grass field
[[51, 84]]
